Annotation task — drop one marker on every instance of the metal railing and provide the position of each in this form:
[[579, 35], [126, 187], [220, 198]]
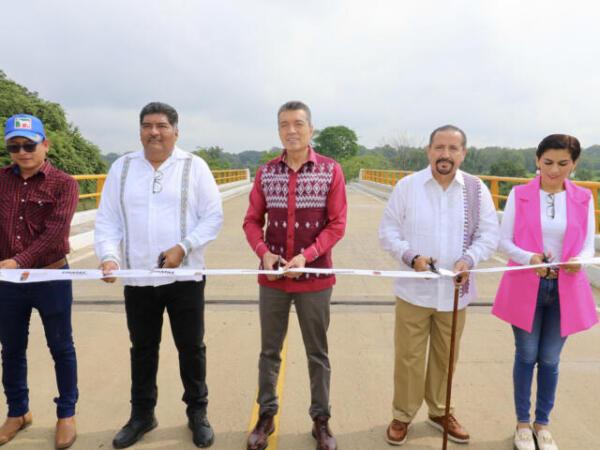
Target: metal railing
[[391, 177], [99, 186], [231, 176], [221, 177]]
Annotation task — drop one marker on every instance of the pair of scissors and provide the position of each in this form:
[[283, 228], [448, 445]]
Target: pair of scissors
[[434, 269], [546, 260], [279, 266], [161, 260]]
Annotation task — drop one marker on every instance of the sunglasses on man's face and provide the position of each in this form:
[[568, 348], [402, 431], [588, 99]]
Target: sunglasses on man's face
[[15, 148]]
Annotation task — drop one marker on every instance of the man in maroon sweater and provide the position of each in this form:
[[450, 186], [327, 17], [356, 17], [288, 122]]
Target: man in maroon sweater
[[304, 197]]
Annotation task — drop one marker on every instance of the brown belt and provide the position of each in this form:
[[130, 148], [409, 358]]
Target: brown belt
[[57, 264]]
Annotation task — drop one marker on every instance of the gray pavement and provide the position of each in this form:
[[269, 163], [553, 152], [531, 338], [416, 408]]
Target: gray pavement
[[361, 350]]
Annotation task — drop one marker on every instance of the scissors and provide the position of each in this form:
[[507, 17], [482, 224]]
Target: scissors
[[279, 266], [432, 267], [161, 260], [546, 260]]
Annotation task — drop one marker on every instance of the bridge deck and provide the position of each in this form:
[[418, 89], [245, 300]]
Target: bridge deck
[[361, 349]]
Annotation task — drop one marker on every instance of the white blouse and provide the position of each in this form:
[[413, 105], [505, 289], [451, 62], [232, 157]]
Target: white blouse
[[553, 228]]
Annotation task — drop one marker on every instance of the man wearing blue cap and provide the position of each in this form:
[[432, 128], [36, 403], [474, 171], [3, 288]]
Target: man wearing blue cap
[[37, 203]]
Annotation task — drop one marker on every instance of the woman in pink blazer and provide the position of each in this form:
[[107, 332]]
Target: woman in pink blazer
[[548, 219]]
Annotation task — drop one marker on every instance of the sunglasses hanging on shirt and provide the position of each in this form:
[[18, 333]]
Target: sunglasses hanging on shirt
[[156, 185], [550, 211]]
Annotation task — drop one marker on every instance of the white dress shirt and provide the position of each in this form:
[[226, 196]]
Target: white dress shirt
[[553, 229], [422, 217], [148, 215]]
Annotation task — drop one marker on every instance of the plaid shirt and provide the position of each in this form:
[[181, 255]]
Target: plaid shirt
[[35, 215]]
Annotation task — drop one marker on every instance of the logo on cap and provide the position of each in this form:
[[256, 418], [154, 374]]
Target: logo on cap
[[22, 123]]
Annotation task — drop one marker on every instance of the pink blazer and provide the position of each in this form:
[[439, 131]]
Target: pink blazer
[[517, 295]]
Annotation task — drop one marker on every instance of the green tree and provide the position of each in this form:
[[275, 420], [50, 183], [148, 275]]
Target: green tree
[[214, 157], [351, 166], [508, 168], [69, 150], [584, 175], [338, 142], [268, 156]]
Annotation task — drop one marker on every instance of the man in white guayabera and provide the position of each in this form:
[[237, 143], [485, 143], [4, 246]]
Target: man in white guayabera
[[444, 217], [161, 207]]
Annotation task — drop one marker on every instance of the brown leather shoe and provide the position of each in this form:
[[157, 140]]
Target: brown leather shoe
[[397, 432], [322, 433], [456, 432], [13, 425], [259, 437], [65, 432]]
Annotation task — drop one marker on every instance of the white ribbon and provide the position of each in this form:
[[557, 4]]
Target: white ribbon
[[37, 275]]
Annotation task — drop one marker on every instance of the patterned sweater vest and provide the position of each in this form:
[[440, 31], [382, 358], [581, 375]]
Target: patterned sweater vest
[[312, 188]]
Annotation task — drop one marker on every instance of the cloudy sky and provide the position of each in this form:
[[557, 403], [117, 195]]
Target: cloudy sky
[[508, 72]]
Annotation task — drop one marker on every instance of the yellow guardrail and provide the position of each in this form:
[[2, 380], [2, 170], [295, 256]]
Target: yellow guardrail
[[221, 177], [99, 185], [391, 177], [231, 176]]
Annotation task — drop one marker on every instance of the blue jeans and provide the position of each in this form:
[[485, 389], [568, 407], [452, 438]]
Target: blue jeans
[[53, 300], [542, 346]]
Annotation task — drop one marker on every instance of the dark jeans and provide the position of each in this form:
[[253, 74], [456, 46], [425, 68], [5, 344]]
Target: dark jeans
[[145, 306], [53, 300], [542, 347]]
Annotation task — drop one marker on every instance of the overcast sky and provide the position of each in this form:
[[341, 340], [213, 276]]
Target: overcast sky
[[507, 72]]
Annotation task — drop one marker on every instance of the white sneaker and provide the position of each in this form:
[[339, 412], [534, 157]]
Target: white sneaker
[[545, 441], [524, 439]]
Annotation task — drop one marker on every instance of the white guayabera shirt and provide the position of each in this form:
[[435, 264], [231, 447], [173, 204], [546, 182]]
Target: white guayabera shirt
[[144, 211], [422, 218]]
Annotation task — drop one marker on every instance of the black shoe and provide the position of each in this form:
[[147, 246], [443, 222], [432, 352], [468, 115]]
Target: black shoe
[[134, 430], [202, 432]]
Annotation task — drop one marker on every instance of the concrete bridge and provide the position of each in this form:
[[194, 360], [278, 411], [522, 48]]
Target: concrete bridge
[[361, 351]]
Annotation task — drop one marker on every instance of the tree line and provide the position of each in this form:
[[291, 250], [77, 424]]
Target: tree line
[[74, 154], [341, 144]]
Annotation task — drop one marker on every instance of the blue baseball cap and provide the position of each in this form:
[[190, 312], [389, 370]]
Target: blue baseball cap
[[26, 126]]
